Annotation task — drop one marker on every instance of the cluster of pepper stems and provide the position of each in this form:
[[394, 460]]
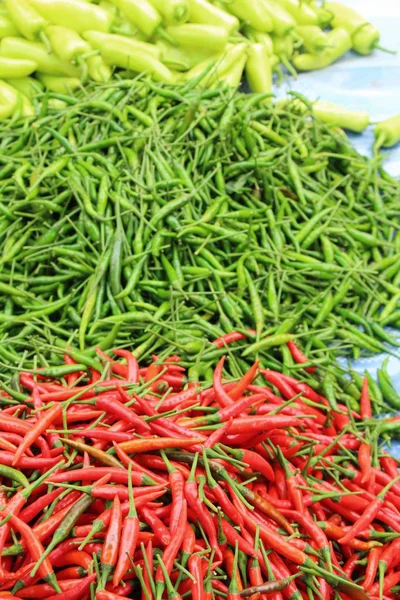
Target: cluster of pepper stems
[[126, 482]]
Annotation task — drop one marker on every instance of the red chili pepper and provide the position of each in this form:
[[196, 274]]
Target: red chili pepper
[[335, 532], [93, 473], [221, 395], [364, 460], [112, 405], [368, 515], [390, 465], [76, 592], [274, 540], [365, 401], [267, 508], [177, 483], [217, 435], [40, 427], [389, 582], [229, 338], [242, 385], [161, 533], [163, 426], [73, 557], [15, 505], [292, 483], [372, 568], [31, 511], [299, 357], [13, 425], [110, 550], [387, 559], [197, 585], [148, 573], [171, 550], [107, 492], [261, 423], [133, 367], [235, 586], [283, 574], [116, 367], [156, 462], [229, 509], [193, 501], [234, 537], [104, 595], [279, 382], [36, 549], [151, 444], [44, 590], [182, 400]]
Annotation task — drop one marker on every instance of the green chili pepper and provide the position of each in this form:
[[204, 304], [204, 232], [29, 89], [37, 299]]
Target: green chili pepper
[[141, 13], [74, 14], [255, 14], [9, 98], [202, 11], [365, 36], [26, 19], [333, 114], [14, 475], [313, 38], [59, 85], [282, 20], [13, 47], [387, 133], [68, 45], [259, 37], [339, 42], [278, 339], [100, 40], [118, 53], [7, 27], [302, 13], [16, 67], [196, 36], [173, 11], [388, 391], [258, 69]]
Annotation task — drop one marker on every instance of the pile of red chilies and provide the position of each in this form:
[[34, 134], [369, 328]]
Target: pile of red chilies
[[125, 482]]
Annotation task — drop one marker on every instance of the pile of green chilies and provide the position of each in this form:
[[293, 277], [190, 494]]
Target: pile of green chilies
[[180, 213]]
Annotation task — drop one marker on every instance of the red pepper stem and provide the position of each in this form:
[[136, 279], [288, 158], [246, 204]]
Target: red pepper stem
[[149, 571], [381, 572], [211, 481], [283, 462], [28, 490], [139, 574], [132, 508], [96, 528], [194, 467], [233, 587], [105, 573], [170, 588], [86, 489], [168, 464]]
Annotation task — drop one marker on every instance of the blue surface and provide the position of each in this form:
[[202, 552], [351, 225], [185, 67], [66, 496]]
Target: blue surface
[[369, 83]]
